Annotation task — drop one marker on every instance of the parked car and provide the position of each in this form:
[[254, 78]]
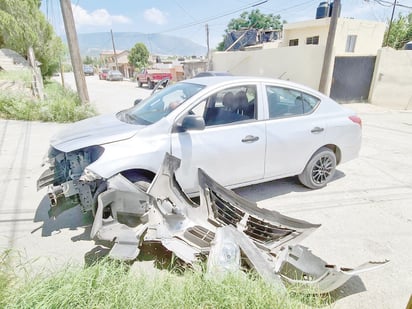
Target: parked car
[[114, 75], [239, 130], [103, 73], [151, 77], [88, 70]]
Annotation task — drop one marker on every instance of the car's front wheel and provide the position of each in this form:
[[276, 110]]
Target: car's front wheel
[[319, 170]]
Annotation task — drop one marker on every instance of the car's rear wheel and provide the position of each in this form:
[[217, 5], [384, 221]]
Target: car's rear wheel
[[139, 83], [319, 170], [150, 84]]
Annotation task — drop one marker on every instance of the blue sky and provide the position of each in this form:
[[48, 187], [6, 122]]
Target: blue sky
[[187, 18]]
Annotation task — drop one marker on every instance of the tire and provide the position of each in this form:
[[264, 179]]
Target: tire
[[150, 84], [139, 84], [319, 170], [141, 181]]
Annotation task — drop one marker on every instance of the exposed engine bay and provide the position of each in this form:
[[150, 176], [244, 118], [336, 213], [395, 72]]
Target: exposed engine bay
[[68, 181]]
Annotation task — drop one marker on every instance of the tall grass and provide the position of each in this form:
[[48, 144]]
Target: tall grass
[[110, 284], [60, 104]]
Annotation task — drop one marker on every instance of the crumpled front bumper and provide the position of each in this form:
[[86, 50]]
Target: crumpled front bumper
[[129, 217]]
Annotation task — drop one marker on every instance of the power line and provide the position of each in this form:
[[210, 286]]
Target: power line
[[390, 4], [203, 21]]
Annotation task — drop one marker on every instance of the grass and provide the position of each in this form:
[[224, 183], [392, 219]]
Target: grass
[[60, 104], [111, 284]]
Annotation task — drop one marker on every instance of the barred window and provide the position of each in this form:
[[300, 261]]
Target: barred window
[[294, 42], [314, 40]]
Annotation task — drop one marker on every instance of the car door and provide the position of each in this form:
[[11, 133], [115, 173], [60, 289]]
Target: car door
[[231, 148], [294, 130]]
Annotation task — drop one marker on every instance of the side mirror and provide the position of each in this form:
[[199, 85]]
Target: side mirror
[[137, 101], [192, 122]]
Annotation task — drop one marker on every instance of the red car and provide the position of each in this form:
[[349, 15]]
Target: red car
[[103, 73]]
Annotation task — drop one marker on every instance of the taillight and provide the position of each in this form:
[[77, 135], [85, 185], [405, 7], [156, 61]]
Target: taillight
[[356, 119]]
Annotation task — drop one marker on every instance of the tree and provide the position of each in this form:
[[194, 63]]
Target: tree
[[401, 32], [254, 19], [22, 25], [139, 56]]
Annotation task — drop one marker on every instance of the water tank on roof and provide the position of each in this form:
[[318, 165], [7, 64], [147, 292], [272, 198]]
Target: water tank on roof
[[323, 10]]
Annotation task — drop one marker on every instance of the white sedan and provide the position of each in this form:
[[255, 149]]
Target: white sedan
[[240, 130]]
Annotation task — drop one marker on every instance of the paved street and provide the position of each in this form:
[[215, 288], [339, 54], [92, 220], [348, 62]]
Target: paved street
[[366, 212]]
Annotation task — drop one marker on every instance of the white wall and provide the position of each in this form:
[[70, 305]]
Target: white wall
[[369, 36], [298, 64], [392, 80]]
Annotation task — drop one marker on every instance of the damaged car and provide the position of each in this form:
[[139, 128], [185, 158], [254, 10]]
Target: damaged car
[[241, 130], [231, 232]]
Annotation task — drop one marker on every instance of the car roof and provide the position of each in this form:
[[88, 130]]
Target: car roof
[[210, 81]]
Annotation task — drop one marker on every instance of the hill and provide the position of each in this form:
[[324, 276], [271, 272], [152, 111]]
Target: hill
[[91, 44]]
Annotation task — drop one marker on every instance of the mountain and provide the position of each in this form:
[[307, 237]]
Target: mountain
[[91, 44]]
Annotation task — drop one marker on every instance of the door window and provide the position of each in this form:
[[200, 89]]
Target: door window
[[230, 105]]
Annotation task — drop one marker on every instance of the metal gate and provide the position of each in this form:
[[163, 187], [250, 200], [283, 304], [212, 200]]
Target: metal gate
[[352, 78]]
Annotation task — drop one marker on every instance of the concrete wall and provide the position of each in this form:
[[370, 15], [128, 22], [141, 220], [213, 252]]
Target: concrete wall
[[369, 36], [304, 29], [392, 80], [298, 64]]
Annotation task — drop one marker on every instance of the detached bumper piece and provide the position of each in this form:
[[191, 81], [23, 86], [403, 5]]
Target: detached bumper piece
[[224, 227]]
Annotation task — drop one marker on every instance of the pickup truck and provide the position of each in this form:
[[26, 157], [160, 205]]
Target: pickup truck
[[151, 77]]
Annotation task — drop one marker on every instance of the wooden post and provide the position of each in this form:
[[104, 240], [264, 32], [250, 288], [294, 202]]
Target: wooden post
[[74, 50], [37, 83]]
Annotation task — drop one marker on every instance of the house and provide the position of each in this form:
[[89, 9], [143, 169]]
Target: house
[[299, 56], [108, 58]]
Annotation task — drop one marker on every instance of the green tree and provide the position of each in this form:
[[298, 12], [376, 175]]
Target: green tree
[[22, 25], [400, 32], [139, 56], [253, 19]]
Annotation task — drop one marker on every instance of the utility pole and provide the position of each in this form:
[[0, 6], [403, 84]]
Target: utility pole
[[208, 48], [390, 24], [74, 50], [327, 59], [114, 50]]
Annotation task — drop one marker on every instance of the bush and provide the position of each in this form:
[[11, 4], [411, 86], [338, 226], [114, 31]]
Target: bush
[[60, 104]]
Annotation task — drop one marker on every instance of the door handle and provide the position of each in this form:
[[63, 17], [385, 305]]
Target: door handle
[[317, 130], [250, 139]]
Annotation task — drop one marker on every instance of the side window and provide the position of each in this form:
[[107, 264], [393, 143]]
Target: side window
[[309, 103], [230, 105], [285, 102]]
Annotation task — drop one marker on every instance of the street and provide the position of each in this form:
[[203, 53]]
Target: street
[[365, 212]]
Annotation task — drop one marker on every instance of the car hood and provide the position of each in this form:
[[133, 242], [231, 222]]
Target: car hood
[[93, 131]]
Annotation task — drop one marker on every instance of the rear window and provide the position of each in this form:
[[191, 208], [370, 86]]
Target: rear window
[[285, 102]]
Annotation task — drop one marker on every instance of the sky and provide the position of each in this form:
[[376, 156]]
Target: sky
[[188, 18]]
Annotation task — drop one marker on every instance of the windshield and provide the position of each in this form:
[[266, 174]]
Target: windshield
[[160, 104]]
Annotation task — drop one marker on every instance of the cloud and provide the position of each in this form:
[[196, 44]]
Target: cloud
[[100, 17], [155, 16]]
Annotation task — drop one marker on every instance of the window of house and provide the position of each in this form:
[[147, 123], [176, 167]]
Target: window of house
[[350, 43], [294, 42], [314, 40]]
